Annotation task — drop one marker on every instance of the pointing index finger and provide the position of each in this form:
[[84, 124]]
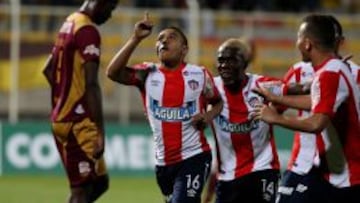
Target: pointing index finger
[[146, 15]]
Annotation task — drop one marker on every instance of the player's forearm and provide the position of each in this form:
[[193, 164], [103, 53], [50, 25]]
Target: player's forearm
[[215, 110], [299, 124], [298, 89], [302, 102], [116, 69]]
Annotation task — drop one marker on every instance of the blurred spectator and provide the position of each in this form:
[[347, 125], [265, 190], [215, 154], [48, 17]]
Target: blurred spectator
[[179, 3], [297, 6], [249, 5], [149, 4], [347, 6], [211, 4]]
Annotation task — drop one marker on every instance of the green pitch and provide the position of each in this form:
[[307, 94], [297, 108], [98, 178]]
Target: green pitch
[[45, 189]]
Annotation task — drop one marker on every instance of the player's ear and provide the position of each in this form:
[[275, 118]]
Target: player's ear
[[308, 44]]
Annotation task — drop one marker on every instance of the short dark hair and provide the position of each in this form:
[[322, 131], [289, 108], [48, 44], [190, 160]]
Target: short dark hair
[[322, 30], [337, 27], [178, 30]]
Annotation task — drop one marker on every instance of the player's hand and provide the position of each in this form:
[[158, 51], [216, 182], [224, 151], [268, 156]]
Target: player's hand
[[99, 146], [143, 27], [264, 92], [265, 113], [298, 89], [199, 121]]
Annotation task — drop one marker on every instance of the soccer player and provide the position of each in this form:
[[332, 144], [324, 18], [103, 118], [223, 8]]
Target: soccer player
[[332, 166], [247, 157], [210, 189], [175, 96], [77, 117], [304, 153]]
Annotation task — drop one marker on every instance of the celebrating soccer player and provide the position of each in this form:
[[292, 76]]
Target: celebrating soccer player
[[175, 95]]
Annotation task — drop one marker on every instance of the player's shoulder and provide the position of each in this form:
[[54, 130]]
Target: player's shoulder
[[191, 66], [335, 64], [193, 70], [217, 79], [262, 78], [81, 20], [353, 65], [301, 65], [146, 66]]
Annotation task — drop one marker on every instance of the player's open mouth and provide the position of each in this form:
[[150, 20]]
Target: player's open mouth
[[225, 74], [162, 47]]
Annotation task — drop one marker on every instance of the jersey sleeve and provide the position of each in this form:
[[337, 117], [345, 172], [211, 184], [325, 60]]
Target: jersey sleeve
[[274, 85], [327, 94], [291, 75], [88, 41], [139, 72], [210, 91]]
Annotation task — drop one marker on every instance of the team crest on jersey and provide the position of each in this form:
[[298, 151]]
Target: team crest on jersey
[[307, 74], [253, 101], [193, 84], [172, 114], [241, 128]]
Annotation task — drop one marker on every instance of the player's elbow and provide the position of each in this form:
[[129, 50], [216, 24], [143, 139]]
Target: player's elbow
[[315, 129], [110, 74], [317, 122], [119, 76]]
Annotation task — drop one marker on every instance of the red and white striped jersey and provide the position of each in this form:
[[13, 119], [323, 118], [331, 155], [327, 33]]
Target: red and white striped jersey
[[355, 71], [243, 145], [171, 98], [304, 152], [335, 93]]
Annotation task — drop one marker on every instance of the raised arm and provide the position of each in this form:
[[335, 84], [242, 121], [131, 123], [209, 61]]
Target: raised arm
[[117, 69]]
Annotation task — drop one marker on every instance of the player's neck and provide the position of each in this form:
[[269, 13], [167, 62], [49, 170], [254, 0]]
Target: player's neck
[[237, 85], [321, 58], [172, 65]]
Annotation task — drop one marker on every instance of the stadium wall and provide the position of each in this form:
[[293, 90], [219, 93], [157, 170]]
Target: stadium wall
[[29, 148]]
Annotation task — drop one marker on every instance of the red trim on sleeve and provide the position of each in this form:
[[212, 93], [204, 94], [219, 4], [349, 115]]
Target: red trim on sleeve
[[289, 74]]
